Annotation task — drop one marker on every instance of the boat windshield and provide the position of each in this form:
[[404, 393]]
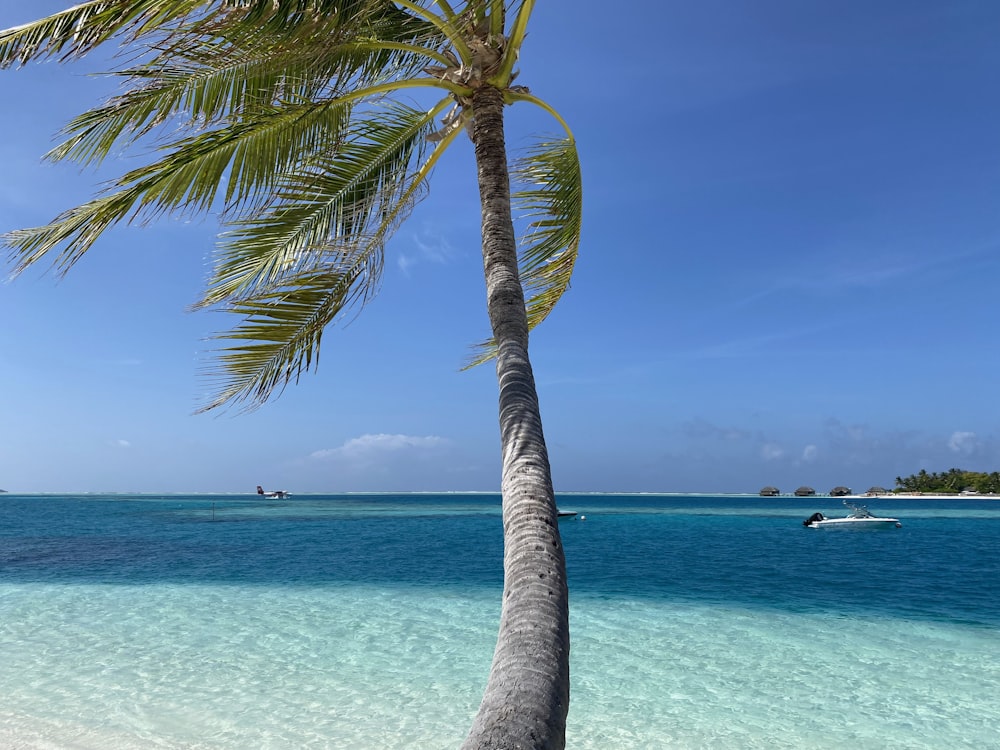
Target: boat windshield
[[857, 510]]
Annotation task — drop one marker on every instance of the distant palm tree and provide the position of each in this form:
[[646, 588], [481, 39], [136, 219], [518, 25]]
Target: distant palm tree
[[287, 117]]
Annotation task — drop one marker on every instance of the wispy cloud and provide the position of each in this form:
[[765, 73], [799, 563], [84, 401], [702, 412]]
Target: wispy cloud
[[965, 443], [753, 345], [430, 245], [703, 429], [372, 447], [734, 438], [844, 269], [772, 452]]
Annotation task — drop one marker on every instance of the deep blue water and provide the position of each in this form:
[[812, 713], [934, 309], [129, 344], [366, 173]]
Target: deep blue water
[[941, 565]]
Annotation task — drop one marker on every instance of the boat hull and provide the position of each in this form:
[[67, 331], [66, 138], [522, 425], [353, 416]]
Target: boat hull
[[873, 522]]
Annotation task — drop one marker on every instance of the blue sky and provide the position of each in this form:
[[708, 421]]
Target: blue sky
[[788, 276]]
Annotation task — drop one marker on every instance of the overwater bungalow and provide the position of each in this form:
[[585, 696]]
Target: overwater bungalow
[[805, 492], [875, 491], [770, 492], [840, 491]]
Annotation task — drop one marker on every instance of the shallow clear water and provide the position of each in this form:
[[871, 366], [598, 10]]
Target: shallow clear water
[[369, 622]]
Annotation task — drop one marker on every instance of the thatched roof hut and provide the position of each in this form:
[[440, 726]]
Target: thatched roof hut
[[840, 491], [877, 491], [804, 491], [770, 492]]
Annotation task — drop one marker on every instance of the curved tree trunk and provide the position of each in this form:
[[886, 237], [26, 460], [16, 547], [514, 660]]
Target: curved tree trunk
[[527, 696]]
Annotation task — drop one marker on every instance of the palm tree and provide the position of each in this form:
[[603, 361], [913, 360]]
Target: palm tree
[[292, 119]]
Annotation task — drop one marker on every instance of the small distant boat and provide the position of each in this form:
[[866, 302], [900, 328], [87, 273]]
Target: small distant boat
[[859, 518], [275, 495], [566, 513]]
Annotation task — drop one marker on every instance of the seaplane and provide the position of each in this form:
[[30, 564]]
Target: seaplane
[[274, 495]]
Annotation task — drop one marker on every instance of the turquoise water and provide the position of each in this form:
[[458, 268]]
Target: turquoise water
[[222, 622]]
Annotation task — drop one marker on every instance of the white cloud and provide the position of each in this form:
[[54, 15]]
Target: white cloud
[[431, 247], [368, 447], [809, 453], [771, 451], [963, 442], [121, 443], [703, 429], [438, 250]]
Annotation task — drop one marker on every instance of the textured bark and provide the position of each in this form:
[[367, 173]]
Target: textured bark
[[527, 695]]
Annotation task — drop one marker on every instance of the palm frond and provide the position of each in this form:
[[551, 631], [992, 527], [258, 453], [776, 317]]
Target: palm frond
[[278, 346], [278, 17], [552, 202], [247, 159], [336, 204], [515, 38], [77, 30], [80, 227], [554, 205], [280, 335], [227, 73], [203, 95], [74, 32]]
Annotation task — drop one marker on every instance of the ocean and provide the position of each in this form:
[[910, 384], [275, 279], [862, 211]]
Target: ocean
[[369, 621]]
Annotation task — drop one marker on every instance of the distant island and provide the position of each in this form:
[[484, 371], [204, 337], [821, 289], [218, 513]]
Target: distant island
[[951, 482]]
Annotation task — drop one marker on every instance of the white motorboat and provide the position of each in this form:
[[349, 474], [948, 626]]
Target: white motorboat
[[859, 518]]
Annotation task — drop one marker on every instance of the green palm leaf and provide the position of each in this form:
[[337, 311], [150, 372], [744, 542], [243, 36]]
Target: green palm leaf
[[73, 32], [267, 74], [280, 334], [554, 205], [190, 177], [77, 30], [205, 77], [335, 204], [552, 202], [287, 290]]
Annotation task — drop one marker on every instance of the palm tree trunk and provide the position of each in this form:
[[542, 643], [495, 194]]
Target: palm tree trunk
[[527, 696]]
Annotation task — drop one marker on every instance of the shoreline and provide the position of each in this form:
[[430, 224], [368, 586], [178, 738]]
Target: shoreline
[[558, 493], [900, 496]]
